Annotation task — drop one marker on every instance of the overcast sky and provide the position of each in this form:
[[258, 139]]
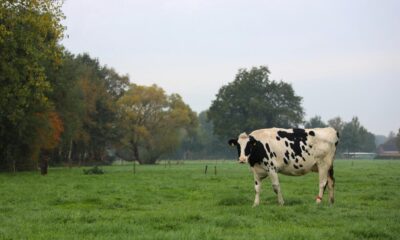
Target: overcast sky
[[342, 57]]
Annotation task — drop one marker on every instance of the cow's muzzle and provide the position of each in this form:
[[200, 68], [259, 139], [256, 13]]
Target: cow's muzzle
[[242, 160]]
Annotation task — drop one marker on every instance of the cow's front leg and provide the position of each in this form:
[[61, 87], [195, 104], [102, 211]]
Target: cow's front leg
[[257, 187], [276, 186]]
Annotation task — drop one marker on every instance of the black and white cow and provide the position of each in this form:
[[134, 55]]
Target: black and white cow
[[292, 152]]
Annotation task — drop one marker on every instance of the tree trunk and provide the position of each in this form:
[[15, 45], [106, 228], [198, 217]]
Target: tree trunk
[[70, 154], [136, 153]]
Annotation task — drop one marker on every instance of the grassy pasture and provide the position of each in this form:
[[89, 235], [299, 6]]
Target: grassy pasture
[[181, 202]]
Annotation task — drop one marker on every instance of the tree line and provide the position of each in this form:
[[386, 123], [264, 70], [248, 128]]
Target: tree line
[[70, 110]]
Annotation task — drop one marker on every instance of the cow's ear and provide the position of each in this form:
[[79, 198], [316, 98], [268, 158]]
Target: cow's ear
[[233, 142]]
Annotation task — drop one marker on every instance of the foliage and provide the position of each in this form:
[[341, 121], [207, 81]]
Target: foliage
[[29, 35], [203, 143], [181, 202], [355, 137], [253, 101], [336, 123], [315, 122], [85, 94], [153, 123]]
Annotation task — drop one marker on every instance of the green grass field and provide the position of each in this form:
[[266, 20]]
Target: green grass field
[[181, 202]]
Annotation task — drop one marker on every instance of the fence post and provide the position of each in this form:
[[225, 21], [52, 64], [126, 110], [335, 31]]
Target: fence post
[[205, 171]]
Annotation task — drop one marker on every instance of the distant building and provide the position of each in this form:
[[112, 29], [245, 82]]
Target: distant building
[[359, 155], [389, 150]]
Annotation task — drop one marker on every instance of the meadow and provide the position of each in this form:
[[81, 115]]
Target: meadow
[[180, 201]]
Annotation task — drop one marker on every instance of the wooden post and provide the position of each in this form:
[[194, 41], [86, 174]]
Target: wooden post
[[205, 171], [215, 170]]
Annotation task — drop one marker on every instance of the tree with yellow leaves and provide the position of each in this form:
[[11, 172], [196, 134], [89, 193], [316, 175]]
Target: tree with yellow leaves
[[153, 123]]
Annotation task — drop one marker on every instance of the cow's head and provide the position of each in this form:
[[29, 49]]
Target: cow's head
[[244, 144]]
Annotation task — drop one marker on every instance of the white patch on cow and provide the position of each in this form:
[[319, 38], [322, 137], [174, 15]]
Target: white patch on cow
[[242, 141]]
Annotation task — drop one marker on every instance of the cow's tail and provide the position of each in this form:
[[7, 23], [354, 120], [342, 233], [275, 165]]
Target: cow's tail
[[337, 139], [330, 174]]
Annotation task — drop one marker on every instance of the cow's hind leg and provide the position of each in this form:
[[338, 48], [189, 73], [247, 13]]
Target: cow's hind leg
[[276, 186], [323, 179], [331, 185]]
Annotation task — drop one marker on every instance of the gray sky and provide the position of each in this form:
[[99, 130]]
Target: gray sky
[[342, 57]]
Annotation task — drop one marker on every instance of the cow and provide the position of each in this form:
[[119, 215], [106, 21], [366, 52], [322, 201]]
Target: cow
[[293, 152]]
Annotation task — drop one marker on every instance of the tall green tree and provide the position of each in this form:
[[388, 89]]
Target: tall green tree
[[253, 101], [315, 122], [85, 94], [336, 123], [355, 137], [203, 143], [153, 123], [100, 87], [30, 32]]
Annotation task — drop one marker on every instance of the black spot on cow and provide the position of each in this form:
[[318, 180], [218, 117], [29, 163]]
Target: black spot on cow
[[272, 164], [295, 166], [255, 182], [268, 149], [271, 155], [292, 155], [287, 154], [255, 150], [303, 158], [287, 144], [336, 143], [310, 146], [300, 165], [302, 147], [312, 133], [298, 136], [297, 160], [285, 160], [274, 154], [266, 163], [278, 138]]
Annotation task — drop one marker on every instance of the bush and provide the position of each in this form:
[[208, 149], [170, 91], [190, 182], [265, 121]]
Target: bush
[[93, 170]]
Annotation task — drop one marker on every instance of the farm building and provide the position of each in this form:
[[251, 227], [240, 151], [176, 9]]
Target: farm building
[[389, 150]]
